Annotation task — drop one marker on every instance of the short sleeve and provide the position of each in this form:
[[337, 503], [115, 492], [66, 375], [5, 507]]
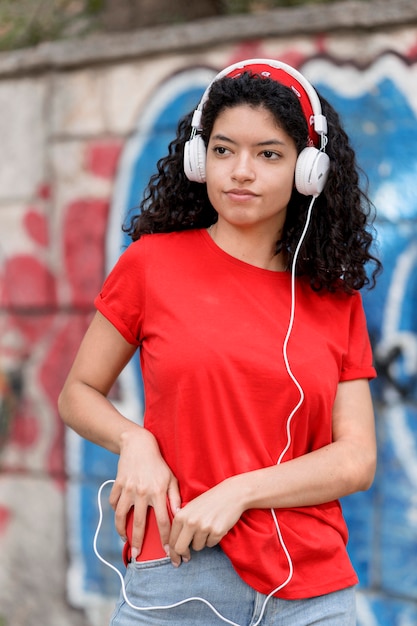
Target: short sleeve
[[357, 362], [122, 297]]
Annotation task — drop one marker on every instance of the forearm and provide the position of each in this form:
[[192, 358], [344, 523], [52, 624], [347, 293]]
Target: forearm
[[93, 416], [83, 403], [343, 467], [320, 476], [327, 474]]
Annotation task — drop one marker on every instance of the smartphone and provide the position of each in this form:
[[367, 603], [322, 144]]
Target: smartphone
[[152, 547]]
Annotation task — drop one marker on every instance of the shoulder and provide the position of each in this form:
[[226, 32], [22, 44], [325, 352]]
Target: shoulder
[[337, 304], [163, 244], [163, 240]]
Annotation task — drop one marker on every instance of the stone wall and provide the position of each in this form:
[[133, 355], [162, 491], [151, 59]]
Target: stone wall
[[82, 124]]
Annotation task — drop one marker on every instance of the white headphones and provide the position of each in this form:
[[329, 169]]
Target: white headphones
[[312, 167]]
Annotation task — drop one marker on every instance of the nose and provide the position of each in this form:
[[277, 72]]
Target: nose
[[243, 167]]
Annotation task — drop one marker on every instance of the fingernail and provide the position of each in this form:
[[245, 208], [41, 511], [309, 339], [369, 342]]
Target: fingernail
[[135, 554], [166, 548]]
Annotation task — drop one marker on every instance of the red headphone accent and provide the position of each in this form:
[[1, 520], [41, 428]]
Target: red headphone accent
[[281, 76]]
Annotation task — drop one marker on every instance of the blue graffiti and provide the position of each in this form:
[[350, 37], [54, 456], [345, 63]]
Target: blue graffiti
[[383, 521]]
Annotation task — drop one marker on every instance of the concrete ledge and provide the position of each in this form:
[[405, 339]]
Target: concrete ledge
[[348, 15]]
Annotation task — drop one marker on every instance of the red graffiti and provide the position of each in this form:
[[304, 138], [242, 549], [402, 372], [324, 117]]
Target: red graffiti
[[37, 227], [25, 429], [255, 49], [248, 50], [84, 240], [101, 158], [44, 191], [5, 517], [412, 52], [27, 283], [48, 306]]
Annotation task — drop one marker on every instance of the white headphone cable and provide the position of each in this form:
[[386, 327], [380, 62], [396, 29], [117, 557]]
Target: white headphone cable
[[133, 606], [284, 451], [295, 409]]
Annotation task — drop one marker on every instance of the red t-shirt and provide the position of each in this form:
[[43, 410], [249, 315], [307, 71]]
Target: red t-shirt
[[217, 394]]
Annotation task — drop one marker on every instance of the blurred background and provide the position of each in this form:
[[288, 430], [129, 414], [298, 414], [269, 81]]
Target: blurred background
[[90, 95]]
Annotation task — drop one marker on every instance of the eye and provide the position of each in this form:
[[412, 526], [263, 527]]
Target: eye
[[220, 150], [270, 155]]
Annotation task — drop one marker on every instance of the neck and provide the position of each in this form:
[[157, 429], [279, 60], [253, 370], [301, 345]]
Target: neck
[[251, 247]]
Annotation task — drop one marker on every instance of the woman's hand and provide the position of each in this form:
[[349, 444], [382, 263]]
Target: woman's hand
[[338, 469], [204, 521], [143, 479]]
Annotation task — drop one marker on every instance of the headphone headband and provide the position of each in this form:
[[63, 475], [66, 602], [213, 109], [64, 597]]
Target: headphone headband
[[286, 75], [312, 167]]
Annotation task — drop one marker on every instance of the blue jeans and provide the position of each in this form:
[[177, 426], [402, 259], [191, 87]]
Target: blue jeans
[[210, 576]]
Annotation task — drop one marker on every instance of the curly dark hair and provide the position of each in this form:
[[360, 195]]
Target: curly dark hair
[[337, 247]]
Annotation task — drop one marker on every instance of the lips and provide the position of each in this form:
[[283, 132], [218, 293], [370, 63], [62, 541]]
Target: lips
[[240, 194]]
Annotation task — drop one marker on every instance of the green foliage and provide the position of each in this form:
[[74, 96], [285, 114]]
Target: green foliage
[[92, 7], [26, 23], [253, 6]]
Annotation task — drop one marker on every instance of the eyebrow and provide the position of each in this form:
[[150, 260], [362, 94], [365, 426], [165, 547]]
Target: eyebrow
[[267, 142]]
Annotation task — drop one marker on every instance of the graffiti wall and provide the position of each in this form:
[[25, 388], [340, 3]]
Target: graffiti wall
[[79, 147]]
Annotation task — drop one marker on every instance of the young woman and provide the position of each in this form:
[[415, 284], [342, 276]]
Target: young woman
[[241, 291]]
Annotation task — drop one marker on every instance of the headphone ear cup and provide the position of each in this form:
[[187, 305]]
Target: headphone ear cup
[[311, 171], [195, 159]]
